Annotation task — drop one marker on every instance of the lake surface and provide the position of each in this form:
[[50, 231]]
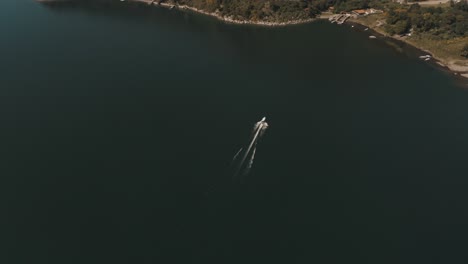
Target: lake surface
[[118, 124]]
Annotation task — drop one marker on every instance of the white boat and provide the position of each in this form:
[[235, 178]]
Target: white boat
[[372, 37]]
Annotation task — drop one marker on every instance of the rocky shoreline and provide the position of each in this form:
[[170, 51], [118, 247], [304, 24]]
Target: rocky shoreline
[[226, 19]]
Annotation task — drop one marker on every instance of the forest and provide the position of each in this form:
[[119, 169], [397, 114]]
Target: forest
[[444, 23], [258, 10]]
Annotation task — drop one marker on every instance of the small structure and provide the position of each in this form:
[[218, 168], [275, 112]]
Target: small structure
[[365, 12], [374, 11], [359, 12], [343, 16]]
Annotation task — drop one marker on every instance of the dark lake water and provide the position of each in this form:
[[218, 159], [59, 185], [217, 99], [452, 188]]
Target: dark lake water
[[118, 124]]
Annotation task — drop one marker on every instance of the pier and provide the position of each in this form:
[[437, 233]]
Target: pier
[[343, 16], [339, 19]]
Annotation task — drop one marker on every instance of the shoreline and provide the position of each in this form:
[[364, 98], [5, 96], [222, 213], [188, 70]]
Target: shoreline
[[229, 20], [447, 64], [459, 71]]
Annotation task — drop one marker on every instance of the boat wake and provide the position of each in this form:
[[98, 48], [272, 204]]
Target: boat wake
[[244, 158]]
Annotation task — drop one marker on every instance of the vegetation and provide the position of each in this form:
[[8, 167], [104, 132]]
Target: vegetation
[[348, 5], [445, 23], [280, 9], [442, 23], [258, 10]]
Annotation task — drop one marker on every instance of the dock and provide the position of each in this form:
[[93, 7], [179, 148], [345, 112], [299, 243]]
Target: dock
[[339, 19]]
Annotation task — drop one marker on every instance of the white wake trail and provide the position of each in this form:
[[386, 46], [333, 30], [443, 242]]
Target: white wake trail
[[244, 158], [237, 154], [251, 161]]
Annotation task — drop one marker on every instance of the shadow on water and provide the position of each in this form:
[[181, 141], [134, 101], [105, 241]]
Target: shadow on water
[[125, 9], [236, 39]]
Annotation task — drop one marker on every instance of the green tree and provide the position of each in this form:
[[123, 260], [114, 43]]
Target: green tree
[[402, 27]]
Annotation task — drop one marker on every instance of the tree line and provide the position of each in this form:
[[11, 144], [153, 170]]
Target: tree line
[[444, 23]]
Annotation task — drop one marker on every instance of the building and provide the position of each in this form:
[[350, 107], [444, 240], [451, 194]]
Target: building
[[359, 12]]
